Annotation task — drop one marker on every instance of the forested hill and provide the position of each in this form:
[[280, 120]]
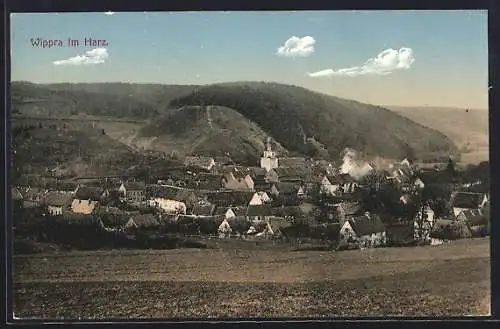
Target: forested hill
[[291, 114], [301, 121]]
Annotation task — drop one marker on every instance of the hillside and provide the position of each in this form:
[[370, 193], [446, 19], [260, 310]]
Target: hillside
[[105, 99], [210, 130], [301, 121], [469, 130], [57, 147], [290, 114]]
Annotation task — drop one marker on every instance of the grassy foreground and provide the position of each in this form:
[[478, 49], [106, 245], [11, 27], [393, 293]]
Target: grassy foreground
[[447, 280]]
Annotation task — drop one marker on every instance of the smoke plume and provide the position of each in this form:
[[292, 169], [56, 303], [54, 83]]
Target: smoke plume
[[354, 166]]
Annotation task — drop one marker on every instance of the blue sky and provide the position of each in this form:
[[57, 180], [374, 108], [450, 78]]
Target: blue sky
[[438, 58]]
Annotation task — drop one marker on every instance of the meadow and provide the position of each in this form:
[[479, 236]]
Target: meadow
[[450, 280]]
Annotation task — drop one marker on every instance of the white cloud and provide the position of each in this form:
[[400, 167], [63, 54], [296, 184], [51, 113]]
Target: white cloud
[[297, 47], [94, 56], [109, 13], [385, 63]]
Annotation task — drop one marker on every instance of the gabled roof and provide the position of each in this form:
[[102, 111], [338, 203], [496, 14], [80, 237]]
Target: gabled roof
[[292, 162], [203, 209], [364, 225], [89, 193], [134, 186], [467, 200], [57, 199], [170, 193], [296, 173], [224, 159], [474, 217], [443, 229], [239, 224], [66, 186], [293, 211], [16, 194], [230, 198], [114, 220], [105, 211], [257, 172], [350, 208], [145, 220], [259, 210], [287, 188], [198, 161], [238, 211], [207, 182], [33, 194]]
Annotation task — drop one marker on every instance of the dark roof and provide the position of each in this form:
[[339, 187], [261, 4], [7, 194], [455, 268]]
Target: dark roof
[[287, 188], [351, 208], [62, 186], [134, 186], [203, 209], [285, 200], [103, 211], [259, 210], [239, 224], [114, 220], [364, 225], [449, 229], [292, 162], [88, 193], [474, 217], [257, 172], [59, 199], [33, 194], [207, 182], [198, 161], [293, 211], [467, 200], [230, 198], [145, 220], [238, 211], [297, 173], [168, 192], [400, 232]]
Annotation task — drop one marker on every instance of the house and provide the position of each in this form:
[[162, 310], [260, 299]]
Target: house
[[63, 186], [238, 180], [167, 198], [400, 233], [223, 160], [83, 207], [224, 229], [476, 220], [446, 230], [90, 193], [259, 212], [230, 198], [273, 228], [133, 191], [288, 189], [202, 162], [338, 184], [291, 162], [268, 160], [259, 198], [207, 181], [230, 212], [203, 208], [277, 175], [461, 201], [114, 221], [366, 231], [32, 196], [17, 198], [348, 210], [143, 221], [289, 213], [418, 184], [57, 202]]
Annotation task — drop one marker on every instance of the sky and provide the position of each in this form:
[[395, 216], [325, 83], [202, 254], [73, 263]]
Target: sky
[[401, 58]]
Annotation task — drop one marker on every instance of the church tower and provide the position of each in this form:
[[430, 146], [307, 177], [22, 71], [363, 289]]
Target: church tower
[[269, 159]]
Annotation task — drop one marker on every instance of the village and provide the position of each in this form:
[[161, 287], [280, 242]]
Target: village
[[284, 200]]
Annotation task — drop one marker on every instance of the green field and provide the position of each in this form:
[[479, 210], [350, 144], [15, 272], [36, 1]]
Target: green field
[[422, 281]]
